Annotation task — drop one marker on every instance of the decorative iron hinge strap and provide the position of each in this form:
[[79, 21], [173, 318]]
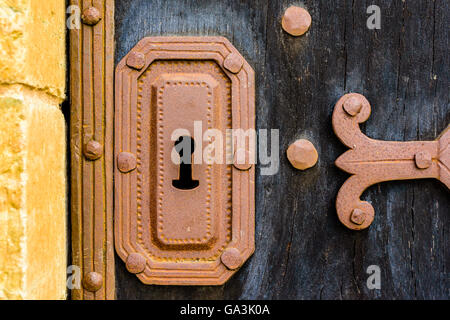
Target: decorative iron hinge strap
[[372, 161]]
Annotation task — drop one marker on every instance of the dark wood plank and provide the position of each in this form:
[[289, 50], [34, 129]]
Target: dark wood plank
[[302, 251]]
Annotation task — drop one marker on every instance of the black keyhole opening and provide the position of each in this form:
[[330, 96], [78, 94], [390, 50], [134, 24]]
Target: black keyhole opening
[[185, 147]]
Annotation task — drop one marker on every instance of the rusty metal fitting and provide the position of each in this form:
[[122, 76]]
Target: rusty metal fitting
[[423, 159], [233, 63], [136, 60], [172, 249], [135, 263], [371, 161], [231, 258], [126, 162], [302, 154], [93, 281], [91, 16], [296, 21], [242, 154], [358, 216], [93, 150], [353, 105]]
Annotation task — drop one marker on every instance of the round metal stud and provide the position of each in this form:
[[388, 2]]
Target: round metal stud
[[241, 160], [302, 154], [231, 258], [136, 263], [126, 162], [233, 63], [91, 16], [423, 159], [296, 21], [93, 150], [93, 281], [353, 105], [136, 60], [358, 216]]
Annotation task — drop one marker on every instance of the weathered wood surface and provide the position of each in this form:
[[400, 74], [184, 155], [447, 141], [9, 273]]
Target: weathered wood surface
[[302, 250]]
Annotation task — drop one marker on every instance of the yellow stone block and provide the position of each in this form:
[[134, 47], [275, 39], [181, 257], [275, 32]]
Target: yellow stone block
[[32, 196], [32, 44], [32, 150]]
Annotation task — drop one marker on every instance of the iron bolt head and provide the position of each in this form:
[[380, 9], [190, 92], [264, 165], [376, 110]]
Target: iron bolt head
[[296, 21], [231, 258], [93, 281], [135, 263], [126, 162], [93, 150], [423, 159], [233, 63], [358, 216], [241, 160], [91, 16], [302, 154], [353, 105], [136, 60]]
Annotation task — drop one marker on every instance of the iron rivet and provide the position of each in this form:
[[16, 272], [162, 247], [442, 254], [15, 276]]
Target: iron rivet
[[91, 16], [358, 216], [93, 150], [93, 281], [353, 105], [233, 63], [231, 258], [423, 159], [136, 60], [126, 162], [302, 154], [241, 160], [136, 263], [296, 21]]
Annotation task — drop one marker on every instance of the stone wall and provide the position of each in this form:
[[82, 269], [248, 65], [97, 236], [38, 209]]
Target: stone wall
[[32, 150]]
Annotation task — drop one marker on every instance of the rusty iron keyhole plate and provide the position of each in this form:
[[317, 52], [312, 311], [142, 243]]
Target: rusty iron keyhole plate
[[165, 235]]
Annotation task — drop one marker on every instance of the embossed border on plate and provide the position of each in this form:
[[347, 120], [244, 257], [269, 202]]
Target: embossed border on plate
[[214, 270]]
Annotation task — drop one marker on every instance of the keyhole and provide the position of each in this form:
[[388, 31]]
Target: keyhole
[[185, 147]]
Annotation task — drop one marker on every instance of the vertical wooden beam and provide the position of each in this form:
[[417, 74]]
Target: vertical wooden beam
[[92, 116]]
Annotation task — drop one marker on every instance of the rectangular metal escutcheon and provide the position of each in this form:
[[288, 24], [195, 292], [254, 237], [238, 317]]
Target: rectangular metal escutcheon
[[181, 222]]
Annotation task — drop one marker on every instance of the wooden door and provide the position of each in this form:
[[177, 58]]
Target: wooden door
[[302, 250]]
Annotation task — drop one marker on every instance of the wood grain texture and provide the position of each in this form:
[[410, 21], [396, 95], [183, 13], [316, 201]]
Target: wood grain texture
[[302, 250], [91, 118]]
